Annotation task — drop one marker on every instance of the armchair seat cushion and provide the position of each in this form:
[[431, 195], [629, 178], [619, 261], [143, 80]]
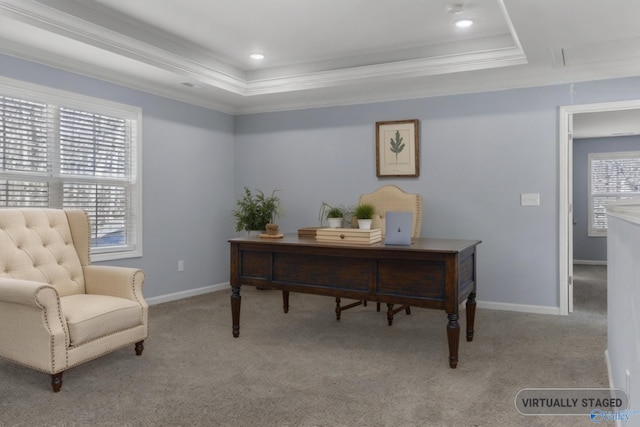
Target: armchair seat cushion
[[93, 316]]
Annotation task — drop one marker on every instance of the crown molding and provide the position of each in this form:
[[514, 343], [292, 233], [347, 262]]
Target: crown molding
[[394, 70], [116, 36], [205, 100], [120, 44]]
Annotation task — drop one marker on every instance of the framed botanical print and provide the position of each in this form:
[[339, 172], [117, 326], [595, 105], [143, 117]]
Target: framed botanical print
[[397, 148]]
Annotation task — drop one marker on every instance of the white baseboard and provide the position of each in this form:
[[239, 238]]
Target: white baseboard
[[589, 262], [522, 308], [188, 293]]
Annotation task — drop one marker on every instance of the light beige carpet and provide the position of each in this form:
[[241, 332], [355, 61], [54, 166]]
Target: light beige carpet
[[306, 369]]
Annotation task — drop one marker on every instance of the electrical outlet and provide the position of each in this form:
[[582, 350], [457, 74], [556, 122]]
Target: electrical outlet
[[530, 199], [181, 265]]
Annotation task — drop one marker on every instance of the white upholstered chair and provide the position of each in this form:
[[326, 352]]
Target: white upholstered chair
[[56, 309], [389, 198]]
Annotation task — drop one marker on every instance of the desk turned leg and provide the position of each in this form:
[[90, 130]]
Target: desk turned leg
[[390, 314], [471, 315], [285, 301], [393, 311], [453, 336], [235, 310]]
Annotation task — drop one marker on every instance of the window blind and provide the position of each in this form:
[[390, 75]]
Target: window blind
[[613, 177], [61, 156], [24, 135]]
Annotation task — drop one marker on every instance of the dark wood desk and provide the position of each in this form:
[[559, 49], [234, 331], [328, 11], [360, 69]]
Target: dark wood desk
[[431, 273]]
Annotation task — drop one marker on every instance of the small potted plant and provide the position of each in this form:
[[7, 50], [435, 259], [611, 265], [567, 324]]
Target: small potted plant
[[364, 214], [334, 216], [254, 211]]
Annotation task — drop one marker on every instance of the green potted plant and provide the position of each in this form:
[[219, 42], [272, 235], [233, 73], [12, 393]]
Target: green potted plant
[[254, 211], [333, 214], [364, 214]]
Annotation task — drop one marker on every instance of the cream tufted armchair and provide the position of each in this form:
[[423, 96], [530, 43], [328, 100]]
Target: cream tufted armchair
[[56, 309], [389, 198]]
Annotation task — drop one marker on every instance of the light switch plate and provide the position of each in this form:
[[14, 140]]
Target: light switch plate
[[530, 199]]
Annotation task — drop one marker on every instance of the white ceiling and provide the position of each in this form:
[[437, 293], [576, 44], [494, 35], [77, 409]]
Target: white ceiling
[[328, 52]]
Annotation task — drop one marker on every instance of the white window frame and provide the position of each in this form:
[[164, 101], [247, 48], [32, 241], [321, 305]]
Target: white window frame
[[594, 231], [42, 94]]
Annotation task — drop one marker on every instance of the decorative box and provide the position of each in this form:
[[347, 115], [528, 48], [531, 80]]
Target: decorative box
[[349, 235]]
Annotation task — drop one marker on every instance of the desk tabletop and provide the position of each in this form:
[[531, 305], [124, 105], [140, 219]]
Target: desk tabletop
[[425, 244]]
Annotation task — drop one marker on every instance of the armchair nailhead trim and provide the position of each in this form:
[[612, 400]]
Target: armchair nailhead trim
[[88, 234], [51, 341]]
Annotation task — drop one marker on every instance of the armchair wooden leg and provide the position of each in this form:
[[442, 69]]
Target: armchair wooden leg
[[56, 381], [139, 347]]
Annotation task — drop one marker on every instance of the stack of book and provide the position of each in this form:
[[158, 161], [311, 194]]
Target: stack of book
[[349, 235], [307, 232]]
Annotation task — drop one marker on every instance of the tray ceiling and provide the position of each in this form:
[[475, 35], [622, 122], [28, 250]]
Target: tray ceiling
[[332, 52]]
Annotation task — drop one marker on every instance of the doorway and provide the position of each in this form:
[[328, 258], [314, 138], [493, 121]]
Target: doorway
[[565, 206]]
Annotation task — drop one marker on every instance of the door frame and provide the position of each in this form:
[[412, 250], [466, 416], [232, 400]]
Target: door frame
[[565, 193]]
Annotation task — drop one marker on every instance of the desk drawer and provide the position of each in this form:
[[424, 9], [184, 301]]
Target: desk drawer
[[415, 279], [324, 271]]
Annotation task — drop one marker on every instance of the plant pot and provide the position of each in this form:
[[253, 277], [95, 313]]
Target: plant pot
[[364, 224], [272, 229], [335, 222]]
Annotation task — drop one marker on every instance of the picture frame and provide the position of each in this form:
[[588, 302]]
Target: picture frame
[[397, 148]]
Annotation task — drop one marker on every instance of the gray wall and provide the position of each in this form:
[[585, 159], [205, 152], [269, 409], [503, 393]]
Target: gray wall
[[187, 175], [587, 248], [478, 153]]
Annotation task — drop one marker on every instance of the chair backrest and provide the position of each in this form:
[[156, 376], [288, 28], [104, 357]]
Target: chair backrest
[[393, 198], [42, 245]]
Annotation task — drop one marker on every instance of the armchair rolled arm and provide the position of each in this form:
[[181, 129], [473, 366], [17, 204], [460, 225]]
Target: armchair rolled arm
[[122, 282], [37, 337], [26, 292]]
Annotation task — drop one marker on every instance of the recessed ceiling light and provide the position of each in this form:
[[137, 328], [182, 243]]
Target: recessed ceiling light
[[256, 56], [463, 23]]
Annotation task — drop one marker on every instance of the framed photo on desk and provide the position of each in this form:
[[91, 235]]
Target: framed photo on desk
[[397, 148]]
